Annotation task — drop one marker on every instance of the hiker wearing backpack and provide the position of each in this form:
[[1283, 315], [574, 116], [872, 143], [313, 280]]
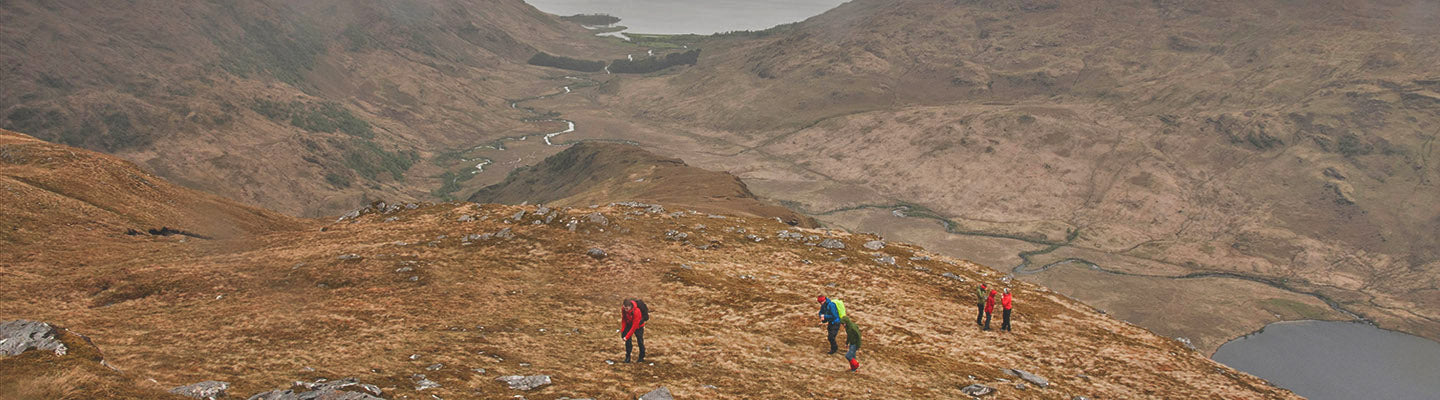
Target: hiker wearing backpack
[[831, 311], [989, 308], [1005, 303], [980, 306], [852, 338], [633, 314]]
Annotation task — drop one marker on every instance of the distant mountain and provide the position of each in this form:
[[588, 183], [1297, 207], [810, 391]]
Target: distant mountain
[[1291, 143], [598, 173], [307, 107]]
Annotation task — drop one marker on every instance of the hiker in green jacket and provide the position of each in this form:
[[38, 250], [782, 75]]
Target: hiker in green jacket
[[852, 337], [980, 295]]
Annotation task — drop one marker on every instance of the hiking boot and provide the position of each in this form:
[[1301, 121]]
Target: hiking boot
[[627, 360]]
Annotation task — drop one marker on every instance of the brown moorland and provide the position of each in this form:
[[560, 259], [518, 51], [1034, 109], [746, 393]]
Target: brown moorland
[[448, 289], [595, 173]]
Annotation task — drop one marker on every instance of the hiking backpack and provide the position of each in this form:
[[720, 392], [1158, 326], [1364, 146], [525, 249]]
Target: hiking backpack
[[644, 311], [839, 308]]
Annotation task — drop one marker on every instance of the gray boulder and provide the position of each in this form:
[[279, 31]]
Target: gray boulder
[[276, 395], [518, 382], [465, 218], [875, 245], [598, 219], [596, 253], [1029, 377], [203, 390], [505, 234], [884, 259], [332, 394], [20, 335], [658, 394], [832, 244], [977, 390]]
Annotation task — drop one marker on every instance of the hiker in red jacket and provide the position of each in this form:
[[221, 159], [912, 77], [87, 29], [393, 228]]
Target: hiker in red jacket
[[633, 315], [989, 308], [1005, 303]]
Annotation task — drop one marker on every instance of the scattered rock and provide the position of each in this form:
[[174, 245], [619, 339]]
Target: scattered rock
[[1331, 172], [1185, 341], [421, 383], [596, 253], [20, 335], [874, 245], [676, 235], [404, 269], [203, 390], [435, 367], [977, 390], [351, 256], [1345, 194], [884, 259], [518, 215], [789, 235], [518, 382], [1032, 378], [658, 394], [832, 244], [505, 234], [753, 238], [466, 218], [598, 219]]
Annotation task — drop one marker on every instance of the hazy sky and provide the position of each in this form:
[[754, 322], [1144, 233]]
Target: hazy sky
[[692, 16]]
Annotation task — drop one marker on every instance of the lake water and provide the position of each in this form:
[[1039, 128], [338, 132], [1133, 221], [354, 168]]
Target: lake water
[[692, 16], [1325, 360]]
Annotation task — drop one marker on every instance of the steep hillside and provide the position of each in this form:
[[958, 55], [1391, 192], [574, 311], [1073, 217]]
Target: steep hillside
[[1287, 144], [58, 192], [306, 107], [598, 173], [426, 300]]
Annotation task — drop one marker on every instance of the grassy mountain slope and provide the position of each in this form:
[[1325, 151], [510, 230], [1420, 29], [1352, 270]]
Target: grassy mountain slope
[[306, 107], [446, 290], [598, 173]]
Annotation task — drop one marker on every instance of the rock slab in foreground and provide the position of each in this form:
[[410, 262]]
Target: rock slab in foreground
[[1032, 378], [658, 394], [20, 335], [203, 390], [977, 390], [518, 382]]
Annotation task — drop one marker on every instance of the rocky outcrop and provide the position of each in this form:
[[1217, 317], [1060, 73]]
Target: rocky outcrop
[[209, 390], [1028, 377], [518, 382], [658, 394], [977, 390], [342, 389], [21, 335]]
